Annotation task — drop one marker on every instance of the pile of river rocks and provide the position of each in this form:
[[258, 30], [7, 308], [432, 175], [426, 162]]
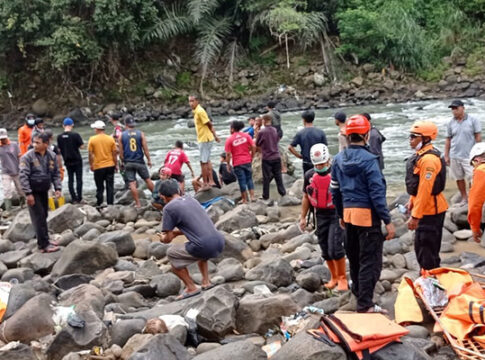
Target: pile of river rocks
[[117, 277]]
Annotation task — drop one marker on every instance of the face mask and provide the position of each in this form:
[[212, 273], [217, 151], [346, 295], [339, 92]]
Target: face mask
[[322, 170], [31, 122]]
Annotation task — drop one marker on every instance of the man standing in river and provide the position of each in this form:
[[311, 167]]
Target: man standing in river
[[462, 132], [206, 134]]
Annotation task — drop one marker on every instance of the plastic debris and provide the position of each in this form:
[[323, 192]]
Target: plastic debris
[[272, 348], [5, 288], [313, 310], [174, 320], [434, 293], [192, 335]]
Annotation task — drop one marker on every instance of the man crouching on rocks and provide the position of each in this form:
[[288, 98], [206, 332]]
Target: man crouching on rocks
[[359, 195], [204, 241]]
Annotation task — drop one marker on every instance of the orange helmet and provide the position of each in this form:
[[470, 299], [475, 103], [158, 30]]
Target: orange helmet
[[425, 128], [357, 124]]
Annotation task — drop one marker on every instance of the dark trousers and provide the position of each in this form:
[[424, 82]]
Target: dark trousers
[[38, 216], [427, 240], [102, 176], [77, 171], [330, 235], [306, 167], [363, 246], [272, 170]]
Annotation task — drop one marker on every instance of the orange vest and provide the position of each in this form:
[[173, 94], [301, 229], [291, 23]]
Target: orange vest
[[476, 198], [25, 138]]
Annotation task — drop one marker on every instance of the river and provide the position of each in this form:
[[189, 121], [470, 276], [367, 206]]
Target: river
[[393, 120]]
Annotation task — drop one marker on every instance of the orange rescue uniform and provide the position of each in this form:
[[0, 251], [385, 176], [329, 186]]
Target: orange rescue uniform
[[428, 167], [476, 198], [25, 138]]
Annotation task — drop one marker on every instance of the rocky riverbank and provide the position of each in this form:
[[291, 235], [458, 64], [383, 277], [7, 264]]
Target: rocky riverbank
[[306, 87], [92, 300]]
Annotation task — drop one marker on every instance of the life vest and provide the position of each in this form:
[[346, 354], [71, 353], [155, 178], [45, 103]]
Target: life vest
[[412, 179], [319, 192], [360, 334]]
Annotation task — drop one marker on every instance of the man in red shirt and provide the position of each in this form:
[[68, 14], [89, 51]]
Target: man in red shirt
[[174, 160], [240, 147]]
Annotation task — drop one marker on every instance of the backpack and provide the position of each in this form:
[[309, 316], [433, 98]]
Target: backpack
[[319, 192]]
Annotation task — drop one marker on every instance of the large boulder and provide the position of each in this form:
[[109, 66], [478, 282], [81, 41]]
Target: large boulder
[[84, 257], [230, 269], [19, 295], [21, 228], [125, 245], [162, 346], [235, 248], [40, 263], [122, 330], [303, 346], [65, 217], [239, 350], [278, 272], [40, 107], [85, 297], [257, 313], [70, 339], [31, 322], [18, 351], [240, 217], [166, 284]]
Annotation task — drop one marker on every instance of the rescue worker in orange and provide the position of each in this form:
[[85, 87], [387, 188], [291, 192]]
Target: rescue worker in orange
[[425, 182], [25, 133], [359, 195], [476, 197]]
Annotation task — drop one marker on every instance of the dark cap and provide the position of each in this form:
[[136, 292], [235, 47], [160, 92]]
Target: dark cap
[[129, 120], [169, 187], [456, 103], [340, 116]]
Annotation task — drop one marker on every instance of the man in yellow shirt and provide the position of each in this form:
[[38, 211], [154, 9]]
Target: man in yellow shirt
[[206, 134], [102, 161]]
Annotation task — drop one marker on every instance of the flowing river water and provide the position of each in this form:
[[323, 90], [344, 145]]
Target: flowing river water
[[393, 120]]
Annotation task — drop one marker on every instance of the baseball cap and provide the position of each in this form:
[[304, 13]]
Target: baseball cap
[[3, 134], [98, 124], [456, 103], [340, 116], [129, 120], [68, 122], [169, 187]]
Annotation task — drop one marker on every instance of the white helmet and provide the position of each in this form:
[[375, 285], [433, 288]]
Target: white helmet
[[319, 154], [477, 149]]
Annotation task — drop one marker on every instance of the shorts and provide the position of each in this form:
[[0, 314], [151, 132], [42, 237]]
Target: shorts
[[179, 257], [205, 151], [180, 178], [460, 169], [132, 168]]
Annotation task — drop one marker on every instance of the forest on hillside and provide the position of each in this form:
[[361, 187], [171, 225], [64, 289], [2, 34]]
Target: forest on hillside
[[94, 39]]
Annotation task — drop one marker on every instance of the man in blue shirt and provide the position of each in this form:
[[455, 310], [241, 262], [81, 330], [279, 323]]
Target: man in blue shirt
[[204, 241], [250, 128], [306, 138], [133, 147]]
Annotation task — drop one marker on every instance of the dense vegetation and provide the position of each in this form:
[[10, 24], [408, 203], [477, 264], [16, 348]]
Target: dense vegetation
[[93, 39]]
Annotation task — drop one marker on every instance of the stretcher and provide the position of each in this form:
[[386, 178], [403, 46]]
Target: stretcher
[[467, 349]]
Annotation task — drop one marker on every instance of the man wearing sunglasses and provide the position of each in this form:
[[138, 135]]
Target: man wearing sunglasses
[[462, 132], [425, 182]]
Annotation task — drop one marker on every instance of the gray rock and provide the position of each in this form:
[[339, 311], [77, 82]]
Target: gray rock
[[230, 269], [400, 351], [126, 198], [134, 343], [3, 268], [40, 263], [180, 333], [132, 299], [65, 217], [91, 235], [446, 248], [92, 214], [417, 331], [148, 270], [305, 347], [392, 247], [122, 330], [142, 249], [166, 284], [289, 200], [69, 339], [158, 250], [67, 282], [19, 295], [11, 258], [206, 195], [19, 352], [398, 261], [239, 350], [459, 216], [87, 226], [31, 322], [297, 241], [257, 313], [67, 237], [273, 213], [258, 207], [84, 257], [411, 261], [162, 346], [309, 281], [471, 260], [279, 272], [6, 245], [329, 305], [21, 228], [449, 224], [19, 274], [125, 245], [303, 298], [124, 265], [85, 297], [235, 248], [321, 270], [111, 213], [240, 217], [389, 275], [206, 346], [128, 214]]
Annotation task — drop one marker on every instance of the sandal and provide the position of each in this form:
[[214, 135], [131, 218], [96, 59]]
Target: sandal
[[208, 287], [377, 309], [186, 295], [50, 248]]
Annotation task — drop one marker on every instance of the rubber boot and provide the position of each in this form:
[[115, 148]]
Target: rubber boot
[[332, 266], [22, 202], [8, 204], [342, 284]]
